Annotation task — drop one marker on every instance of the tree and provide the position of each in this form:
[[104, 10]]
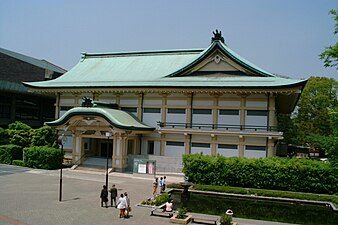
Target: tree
[[318, 98], [316, 120], [330, 55]]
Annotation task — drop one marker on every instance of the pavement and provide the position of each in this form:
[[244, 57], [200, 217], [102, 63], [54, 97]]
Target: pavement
[[31, 197]]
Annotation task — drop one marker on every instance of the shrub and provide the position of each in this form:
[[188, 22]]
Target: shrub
[[19, 134], [10, 152], [226, 219], [18, 163], [181, 213], [43, 157], [159, 200], [300, 175], [44, 136], [3, 136]]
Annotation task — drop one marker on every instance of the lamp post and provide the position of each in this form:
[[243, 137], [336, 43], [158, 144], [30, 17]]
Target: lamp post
[[108, 134], [61, 141]]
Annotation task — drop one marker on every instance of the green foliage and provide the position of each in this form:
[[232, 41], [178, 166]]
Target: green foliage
[[330, 55], [44, 136], [158, 200], [265, 173], [161, 199], [19, 134], [181, 213], [3, 136], [18, 163], [43, 157], [318, 97], [316, 121], [226, 219], [10, 152]]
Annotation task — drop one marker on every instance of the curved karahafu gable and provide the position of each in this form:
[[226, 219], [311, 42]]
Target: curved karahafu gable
[[117, 118]]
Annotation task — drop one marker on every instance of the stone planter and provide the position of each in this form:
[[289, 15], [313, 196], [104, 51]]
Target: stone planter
[[186, 220]]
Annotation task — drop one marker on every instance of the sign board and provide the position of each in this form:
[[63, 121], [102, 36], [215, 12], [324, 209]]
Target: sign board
[[144, 166]]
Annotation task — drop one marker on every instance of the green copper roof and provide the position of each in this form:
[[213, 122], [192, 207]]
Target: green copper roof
[[116, 118], [162, 69], [37, 62]]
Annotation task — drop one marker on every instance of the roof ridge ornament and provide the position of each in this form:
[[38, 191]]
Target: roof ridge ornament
[[87, 102], [217, 36]]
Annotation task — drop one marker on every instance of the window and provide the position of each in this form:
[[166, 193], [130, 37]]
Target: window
[[257, 112], [201, 145], [202, 111], [152, 110], [129, 109], [175, 143], [176, 111], [232, 112], [255, 148], [151, 147], [227, 146]]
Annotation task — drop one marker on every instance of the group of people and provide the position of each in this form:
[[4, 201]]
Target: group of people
[[162, 183], [123, 203]]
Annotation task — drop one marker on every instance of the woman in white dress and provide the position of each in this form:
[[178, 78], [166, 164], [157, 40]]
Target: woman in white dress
[[122, 205]]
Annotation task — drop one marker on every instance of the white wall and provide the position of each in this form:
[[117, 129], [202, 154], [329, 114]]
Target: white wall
[[250, 153], [151, 119], [174, 151], [228, 152]]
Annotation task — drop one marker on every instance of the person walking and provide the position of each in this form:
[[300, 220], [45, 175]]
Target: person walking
[[113, 195], [104, 196], [128, 208], [121, 205], [164, 183], [161, 184], [155, 186]]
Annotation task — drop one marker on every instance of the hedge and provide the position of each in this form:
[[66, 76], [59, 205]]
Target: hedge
[[43, 157], [300, 175], [10, 152]]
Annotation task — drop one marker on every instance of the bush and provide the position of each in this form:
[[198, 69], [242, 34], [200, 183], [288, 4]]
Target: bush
[[159, 200], [18, 163], [19, 134], [43, 157], [10, 152], [44, 136], [3, 136], [226, 219], [299, 175]]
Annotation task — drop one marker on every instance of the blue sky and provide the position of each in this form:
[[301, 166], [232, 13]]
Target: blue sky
[[281, 36]]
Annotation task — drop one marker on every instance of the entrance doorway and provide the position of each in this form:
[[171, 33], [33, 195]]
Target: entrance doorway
[[106, 146]]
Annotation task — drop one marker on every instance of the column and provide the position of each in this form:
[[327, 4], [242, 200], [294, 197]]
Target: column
[[213, 144], [272, 111], [241, 146], [271, 147]]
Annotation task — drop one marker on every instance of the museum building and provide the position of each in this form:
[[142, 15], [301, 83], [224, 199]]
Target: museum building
[[166, 103]]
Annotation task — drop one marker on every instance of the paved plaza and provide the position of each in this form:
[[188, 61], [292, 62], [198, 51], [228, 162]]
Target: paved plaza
[[31, 197]]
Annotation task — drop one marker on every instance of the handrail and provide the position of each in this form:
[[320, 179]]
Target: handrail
[[220, 126], [82, 157]]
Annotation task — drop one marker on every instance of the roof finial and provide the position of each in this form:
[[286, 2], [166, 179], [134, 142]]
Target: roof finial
[[217, 36]]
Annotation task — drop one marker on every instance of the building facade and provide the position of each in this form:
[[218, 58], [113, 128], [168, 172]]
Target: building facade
[[16, 103], [210, 101]]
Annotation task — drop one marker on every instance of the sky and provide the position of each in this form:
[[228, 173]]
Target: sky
[[283, 37]]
